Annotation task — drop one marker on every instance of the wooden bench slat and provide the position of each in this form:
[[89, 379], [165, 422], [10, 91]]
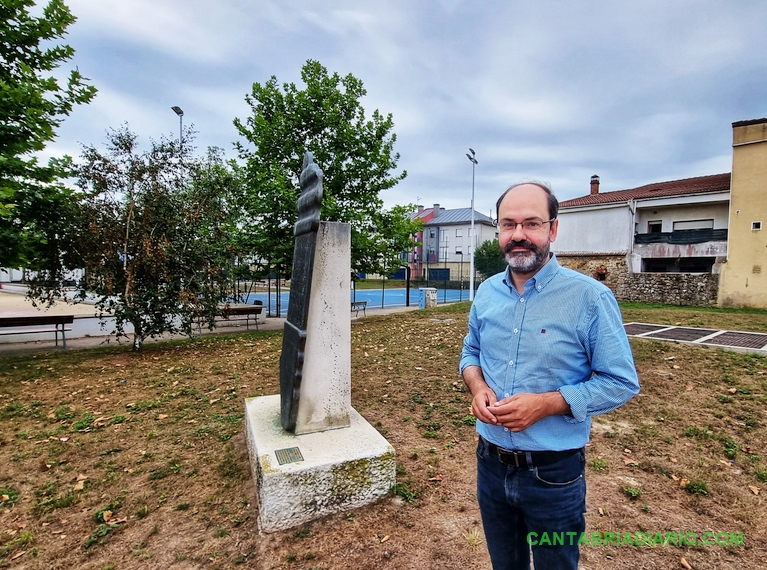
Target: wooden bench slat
[[32, 331]]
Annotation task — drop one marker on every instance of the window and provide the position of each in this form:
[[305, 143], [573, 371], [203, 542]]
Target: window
[[432, 234], [459, 232], [755, 226], [693, 225], [458, 251], [443, 236], [654, 227]]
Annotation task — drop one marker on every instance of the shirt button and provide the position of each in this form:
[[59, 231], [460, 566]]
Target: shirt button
[[505, 395], [511, 363], [516, 331], [522, 300], [505, 429]]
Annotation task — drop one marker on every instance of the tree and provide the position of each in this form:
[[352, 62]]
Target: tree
[[488, 259], [156, 234], [355, 153], [32, 106]]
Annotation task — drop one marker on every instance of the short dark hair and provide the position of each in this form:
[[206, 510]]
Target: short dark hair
[[552, 200]]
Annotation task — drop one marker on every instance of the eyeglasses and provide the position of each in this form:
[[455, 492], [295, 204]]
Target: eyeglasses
[[533, 225]]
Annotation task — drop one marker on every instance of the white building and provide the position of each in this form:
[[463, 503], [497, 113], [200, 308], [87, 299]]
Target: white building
[[677, 226], [447, 240]]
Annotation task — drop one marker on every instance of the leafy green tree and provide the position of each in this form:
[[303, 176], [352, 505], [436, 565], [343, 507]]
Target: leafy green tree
[[156, 234], [32, 106], [355, 153], [488, 259]]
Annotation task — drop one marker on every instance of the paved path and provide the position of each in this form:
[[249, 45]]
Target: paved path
[[87, 331]]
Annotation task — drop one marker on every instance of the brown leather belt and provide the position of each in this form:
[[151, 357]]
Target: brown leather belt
[[519, 458]]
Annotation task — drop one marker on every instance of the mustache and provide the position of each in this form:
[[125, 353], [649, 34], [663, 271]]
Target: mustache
[[521, 243]]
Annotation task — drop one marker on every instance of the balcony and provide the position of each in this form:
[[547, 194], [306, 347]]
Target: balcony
[[681, 237]]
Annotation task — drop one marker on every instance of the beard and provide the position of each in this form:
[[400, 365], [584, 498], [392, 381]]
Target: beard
[[526, 262]]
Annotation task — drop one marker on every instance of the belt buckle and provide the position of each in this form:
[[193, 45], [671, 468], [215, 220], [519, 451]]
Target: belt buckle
[[504, 453]]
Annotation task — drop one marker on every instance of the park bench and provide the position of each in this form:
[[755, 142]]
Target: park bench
[[40, 323], [358, 306], [229, 311]]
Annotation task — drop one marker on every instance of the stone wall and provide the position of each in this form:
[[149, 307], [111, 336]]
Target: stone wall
[[692, 289], [610, 269]]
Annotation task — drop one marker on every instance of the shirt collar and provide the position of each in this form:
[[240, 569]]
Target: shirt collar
[[542, 278]]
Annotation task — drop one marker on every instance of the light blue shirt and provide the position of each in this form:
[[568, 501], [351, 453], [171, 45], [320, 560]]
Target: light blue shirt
[[565, 333]]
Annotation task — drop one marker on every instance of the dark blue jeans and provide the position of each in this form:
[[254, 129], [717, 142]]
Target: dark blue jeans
[[516, 502]]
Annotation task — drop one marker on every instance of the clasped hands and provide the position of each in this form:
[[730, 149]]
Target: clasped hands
[[517, 412]]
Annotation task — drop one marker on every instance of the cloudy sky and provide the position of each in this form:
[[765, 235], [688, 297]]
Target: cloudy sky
[[636, 92]]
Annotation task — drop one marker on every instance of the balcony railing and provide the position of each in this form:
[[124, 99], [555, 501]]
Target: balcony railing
[[686, 236]]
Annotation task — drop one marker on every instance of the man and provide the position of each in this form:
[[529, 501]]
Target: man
[[546, 350]]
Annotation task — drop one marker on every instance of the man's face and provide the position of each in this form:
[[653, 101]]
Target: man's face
[[525, 250]]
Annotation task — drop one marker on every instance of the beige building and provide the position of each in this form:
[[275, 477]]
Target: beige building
[[743, 279]]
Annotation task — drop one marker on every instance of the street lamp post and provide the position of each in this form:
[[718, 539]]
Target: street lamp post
[[460, 277], [472, 238], [180, 113]]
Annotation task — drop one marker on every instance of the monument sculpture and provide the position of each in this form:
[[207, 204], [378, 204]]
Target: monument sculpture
[[312, 454], [294, 335]]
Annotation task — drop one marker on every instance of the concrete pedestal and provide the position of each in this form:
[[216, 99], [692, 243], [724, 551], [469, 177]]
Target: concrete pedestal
[[323, 472]]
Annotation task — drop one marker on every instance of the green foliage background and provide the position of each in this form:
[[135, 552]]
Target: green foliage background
[[32, 106], [354, 151]]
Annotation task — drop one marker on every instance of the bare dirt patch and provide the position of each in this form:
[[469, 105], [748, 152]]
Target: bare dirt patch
[[110, 459]]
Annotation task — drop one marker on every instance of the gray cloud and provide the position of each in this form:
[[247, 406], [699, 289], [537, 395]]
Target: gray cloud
[[635, 92]]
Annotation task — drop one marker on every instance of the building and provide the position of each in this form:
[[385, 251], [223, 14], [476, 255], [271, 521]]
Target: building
[[743, 280], [666, 227], [443, 253], [695, 241], [415, 258]]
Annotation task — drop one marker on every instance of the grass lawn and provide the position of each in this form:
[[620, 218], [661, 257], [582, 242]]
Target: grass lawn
[[110, 459]]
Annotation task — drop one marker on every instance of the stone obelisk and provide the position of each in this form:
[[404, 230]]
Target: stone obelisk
[[312, 454]]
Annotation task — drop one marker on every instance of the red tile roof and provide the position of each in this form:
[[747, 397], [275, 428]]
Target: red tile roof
[[697, 185]]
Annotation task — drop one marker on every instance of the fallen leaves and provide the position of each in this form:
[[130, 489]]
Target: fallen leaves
[[754, 490], [686, 564], [80, 484]]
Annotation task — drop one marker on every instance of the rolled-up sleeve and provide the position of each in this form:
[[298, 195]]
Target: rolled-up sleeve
[[614, 378]]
